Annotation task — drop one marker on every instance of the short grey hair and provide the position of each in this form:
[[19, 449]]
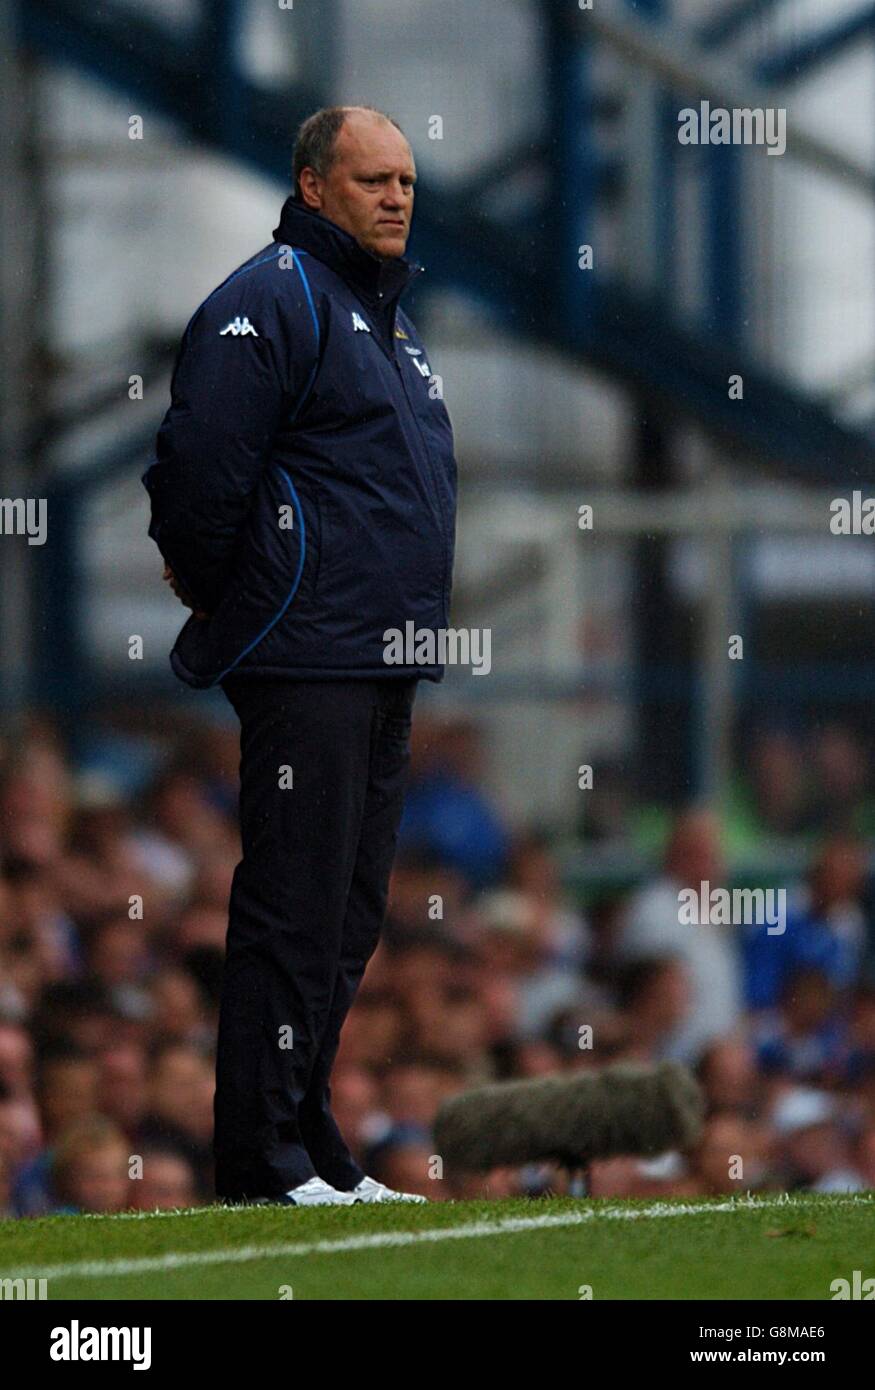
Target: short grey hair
[[317, 139]]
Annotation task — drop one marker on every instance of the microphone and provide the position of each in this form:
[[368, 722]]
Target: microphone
[[572, 1120]]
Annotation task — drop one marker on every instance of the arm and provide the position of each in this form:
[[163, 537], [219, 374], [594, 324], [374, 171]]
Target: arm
[[230, 394]]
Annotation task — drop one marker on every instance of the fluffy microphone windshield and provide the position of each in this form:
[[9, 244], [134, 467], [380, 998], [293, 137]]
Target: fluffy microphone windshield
[[571, 1120]]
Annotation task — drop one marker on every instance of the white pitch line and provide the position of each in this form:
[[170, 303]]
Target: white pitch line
[[244, 1254]]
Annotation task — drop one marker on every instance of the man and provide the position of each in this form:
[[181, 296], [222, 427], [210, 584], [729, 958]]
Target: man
[[653, 927], [303, 499]]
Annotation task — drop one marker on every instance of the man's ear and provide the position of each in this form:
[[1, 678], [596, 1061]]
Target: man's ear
[[310, 185]]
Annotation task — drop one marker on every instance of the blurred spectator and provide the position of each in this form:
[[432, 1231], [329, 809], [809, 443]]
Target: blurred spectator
[[102, 865], [16, 1059], [374, 1030], [446, 812], [177, 1006], [200, 927], [117, 958], [561, 929], [775, 801], [76, 1013], [654, 996], [728, 1074], [423, 893], [185, 818], [5, 1187], [40, 943], [516, 941], [66, 1095], [122, 1085], [167, 1183], [35, 800], [652, 926], [179, 1117], [843, 804], [861, 1032], [811, 1148], [19, 1132], [89, 1169], [825, 929], [356, 1106], [415, 1087], [864, 1158], [488, 969], [66, 1089], [727, 1159], [806, 1038], [730, 1157]]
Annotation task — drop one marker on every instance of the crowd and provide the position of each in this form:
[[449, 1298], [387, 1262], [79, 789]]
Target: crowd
[[112, 921]]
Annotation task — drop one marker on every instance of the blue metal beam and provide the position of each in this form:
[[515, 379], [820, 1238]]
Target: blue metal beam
[[724, 242], [800, 58], [141, 58], [647, 9], [63, 678], [571, 163], [220, 34], [732, 20], [664, 146], [633, 339], [690, 372]]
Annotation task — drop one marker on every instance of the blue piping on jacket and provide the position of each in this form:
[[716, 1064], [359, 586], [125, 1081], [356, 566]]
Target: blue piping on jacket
[[312, 377], [294, 589]]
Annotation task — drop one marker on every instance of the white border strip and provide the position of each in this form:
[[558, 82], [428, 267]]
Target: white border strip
[[388, 1240]]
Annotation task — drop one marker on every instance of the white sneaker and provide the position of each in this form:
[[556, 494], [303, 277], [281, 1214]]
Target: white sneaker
[[369, 1190], [316, 1193]]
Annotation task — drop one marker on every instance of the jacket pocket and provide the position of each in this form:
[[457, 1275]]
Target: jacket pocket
[[276, 567], [276, 555]]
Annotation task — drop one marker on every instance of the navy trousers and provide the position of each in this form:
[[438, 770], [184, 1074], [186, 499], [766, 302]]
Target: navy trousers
[[322, 773]]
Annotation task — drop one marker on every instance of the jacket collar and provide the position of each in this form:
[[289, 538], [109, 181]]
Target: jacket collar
[[372, 276]]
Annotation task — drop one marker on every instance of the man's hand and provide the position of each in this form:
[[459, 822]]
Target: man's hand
[[182, 593]]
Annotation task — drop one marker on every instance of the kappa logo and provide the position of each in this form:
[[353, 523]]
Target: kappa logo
[[359, 325], [239, 327]]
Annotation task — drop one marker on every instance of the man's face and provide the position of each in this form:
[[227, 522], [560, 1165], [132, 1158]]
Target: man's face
[[368, 190]]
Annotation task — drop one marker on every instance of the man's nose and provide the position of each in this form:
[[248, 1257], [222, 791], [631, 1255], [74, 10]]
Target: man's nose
[[393, 195]]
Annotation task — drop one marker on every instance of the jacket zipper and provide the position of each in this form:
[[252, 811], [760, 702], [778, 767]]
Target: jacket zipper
[[435, 483], [435, 486]]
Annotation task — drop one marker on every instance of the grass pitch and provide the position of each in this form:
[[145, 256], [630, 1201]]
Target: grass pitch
[[728, 1248]]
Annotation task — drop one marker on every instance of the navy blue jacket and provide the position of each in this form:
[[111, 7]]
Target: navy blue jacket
[[304, 486]]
